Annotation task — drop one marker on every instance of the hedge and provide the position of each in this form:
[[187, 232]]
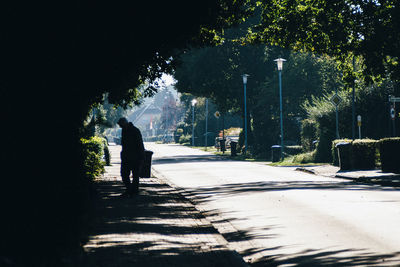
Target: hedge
[[93, 151], [359, 154], [389, 154], [363, 154], [335, 158]]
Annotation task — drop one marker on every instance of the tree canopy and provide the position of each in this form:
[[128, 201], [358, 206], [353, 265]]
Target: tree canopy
[[57, 60], [215, 72], [338, 28]]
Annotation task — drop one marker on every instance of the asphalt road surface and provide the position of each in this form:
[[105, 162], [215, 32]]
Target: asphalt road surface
[[277, 216]]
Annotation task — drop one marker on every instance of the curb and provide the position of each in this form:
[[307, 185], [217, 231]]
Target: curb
[[305, 170], [384, 180]]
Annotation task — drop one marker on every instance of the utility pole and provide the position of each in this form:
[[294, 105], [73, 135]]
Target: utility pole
[[244, 76], [353, 108], [206, 134]]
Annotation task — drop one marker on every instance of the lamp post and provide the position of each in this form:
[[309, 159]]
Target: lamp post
[[194, 101], [206, 134], [353, 107], [244, 76], [166, 116], [279, 63]]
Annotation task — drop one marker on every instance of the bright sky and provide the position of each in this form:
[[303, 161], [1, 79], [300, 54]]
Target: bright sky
[[168, 79]]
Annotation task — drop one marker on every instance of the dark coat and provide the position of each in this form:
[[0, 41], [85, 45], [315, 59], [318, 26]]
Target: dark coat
[[132, 145]]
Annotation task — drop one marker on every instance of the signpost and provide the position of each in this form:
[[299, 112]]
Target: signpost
[[393, 99], [205, 143], [336, 99], [217, 115], [392, 113], [359, 126]]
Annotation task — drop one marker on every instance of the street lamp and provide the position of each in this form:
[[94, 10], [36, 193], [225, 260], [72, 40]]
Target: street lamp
[[194, 101], [166, 116], [205, 143], [279, 63], [244, 76]]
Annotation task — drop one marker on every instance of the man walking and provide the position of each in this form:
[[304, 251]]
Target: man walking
[[132, 155]]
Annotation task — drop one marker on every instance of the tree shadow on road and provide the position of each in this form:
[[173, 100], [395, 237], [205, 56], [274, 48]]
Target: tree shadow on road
[[330, 258], [188, 159], [272, 256], [156, 228], [235, 189], [256, 256]]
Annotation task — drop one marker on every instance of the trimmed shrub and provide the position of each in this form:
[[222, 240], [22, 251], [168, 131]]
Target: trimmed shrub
[[359, 154], [363, 154], [335, 155], [389, 154], [93, 149]]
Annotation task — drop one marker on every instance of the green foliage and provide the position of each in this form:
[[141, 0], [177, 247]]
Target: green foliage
[[177, 135], [93, 149], [322, 111], [389, 154], [370, 103], [53, 82], [308, 157], [293, 150], [214, 125], [308, 134], [335, 158], [326, 134], [101, 117], [336, 28], [363, 154], [240, 145], [107, 154], [204, 70], [299, 159], [185, 139], [359, 154]]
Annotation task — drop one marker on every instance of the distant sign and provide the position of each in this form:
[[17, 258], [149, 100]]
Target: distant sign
[[336, 99], [394, 99], [359, 120], [217, 114], [392, 113]]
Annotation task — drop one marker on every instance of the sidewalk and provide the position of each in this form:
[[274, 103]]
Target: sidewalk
[[158, 227], [365, 176]]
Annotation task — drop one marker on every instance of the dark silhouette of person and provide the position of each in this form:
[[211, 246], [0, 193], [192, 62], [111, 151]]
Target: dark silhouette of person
[[132, 156]]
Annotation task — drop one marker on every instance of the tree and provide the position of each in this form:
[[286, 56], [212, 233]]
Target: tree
[[58, 59], [371, 104], [104, 116], [339, 28], [169, 113], [203, 70], [214, 125]]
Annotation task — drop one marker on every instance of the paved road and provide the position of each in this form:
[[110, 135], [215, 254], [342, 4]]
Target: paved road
[[283, 217]]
